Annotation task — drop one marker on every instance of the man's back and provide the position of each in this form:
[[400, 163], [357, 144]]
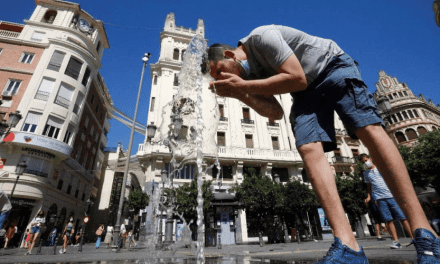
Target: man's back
[[379, 187]]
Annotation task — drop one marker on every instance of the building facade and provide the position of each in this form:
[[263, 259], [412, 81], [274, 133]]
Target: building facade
[[244, 138], [410, 117], [48, 68]]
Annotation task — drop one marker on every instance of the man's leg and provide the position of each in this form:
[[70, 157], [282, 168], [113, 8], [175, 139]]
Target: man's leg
[[407, 228], [392, 230], [390, 164], [378, 230], [323, 183]]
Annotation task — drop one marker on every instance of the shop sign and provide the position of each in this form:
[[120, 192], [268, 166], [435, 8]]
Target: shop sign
[[39, 153], [23, 202], [39, 141]]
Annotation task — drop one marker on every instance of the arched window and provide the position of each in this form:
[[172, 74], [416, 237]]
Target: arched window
[[49, 17], [176, 80], [183, 53], [400, 137], [176, 54], [421, 130], [411, 134], [434, 128]]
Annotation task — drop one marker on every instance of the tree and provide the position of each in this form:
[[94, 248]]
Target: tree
[[260, 196], [186, 199], [138, 200], [423, 161]]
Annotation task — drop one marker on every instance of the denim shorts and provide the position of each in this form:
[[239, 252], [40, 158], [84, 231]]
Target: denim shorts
[[35, 229], [375, 212], [338, 88], [390, 210]]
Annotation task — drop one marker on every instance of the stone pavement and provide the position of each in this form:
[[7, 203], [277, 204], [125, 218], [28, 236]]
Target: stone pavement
[[305, 252]]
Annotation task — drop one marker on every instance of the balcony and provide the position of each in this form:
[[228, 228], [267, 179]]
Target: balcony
[[62, 101], [273, 124], [247, 121], [9, 34], [36, 172], [340, 159], [43, 96], [232, 152], [222, 118]]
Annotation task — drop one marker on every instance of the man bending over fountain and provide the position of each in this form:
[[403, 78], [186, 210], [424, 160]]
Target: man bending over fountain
[[322, 79]]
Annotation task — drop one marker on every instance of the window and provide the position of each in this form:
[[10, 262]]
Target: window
[[246, 114], [52, 127], [421, 130], [355, 153], [56, 61], [416, 113], [11, 87], [83, 197], [78, 103], [390, 96], [394, 118], [69, 189], [92, 130], [405, 93], [225, 173], [221, 139], [1, 50], [337, 152], [275, 144], [97, 108], [155, 80], [36, 166], [405, 115], [38, 36], [399, 116], [411, 134], [64, 95], [175, 54], [73, 68], [400, 94], [78, 153], [395, 95], [85, 159], [68, 135], [96, 137], [31, 122], [45, 89], [221, 108], [86, 123], [410, 114], [182, 55], [26, 57], [49, 17], [176, 80], [83, 137], [249, 141], [60, 184], [86, 77], [187, 172], [92, 101], [98, 46], [153, 99], [76, 193], [400, 137]]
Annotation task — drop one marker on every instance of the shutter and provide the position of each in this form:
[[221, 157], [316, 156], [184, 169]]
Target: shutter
[[222, 112], [249, 141], [275, 144], [221, 139], [32, 118], [65, 92], [55, 122], [46, 86], [73, 68], [86, 76], [246, 113], [56, 61]]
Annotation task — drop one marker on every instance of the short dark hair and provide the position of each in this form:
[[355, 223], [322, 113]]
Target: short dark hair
[[215, 54], [361, 156]]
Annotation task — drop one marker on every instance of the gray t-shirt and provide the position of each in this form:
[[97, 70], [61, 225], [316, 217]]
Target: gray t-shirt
[[268, 47], [5, 204]]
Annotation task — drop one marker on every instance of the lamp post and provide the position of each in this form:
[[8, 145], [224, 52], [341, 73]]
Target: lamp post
[[19, 170], [124, 181], [12, 122], [170, 221], [164, 175], [151, 130], [85, 221]]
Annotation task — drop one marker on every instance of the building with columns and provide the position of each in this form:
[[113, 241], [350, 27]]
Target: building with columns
[[410, 117], [245, 140], [49, 67]]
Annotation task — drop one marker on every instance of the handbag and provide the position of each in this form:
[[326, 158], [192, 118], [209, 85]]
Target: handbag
[[98, 232]]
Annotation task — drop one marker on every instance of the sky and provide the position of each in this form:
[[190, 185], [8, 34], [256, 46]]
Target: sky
[[397, 36]]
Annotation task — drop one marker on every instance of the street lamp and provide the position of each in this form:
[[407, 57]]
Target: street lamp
[[127, 162], [151, 130], [85, 221], [12, 122], [19, 170], [383, 103]]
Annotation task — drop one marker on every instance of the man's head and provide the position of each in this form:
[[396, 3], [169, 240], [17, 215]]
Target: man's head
[[222, 58], [366, 160]]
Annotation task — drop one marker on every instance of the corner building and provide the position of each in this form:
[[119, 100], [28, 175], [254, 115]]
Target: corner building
[[245, 140], [50, 74]]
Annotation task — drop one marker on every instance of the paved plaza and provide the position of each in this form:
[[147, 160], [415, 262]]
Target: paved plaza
[[305, 252]]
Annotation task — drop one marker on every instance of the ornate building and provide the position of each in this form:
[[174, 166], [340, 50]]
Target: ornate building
[[48, 70], [245, 140]]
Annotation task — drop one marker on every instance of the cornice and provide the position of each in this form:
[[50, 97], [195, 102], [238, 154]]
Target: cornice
[[16, 70], [24, 42], [75, 32]]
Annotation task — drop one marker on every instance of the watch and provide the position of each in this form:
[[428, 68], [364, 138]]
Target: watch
[[83, 25]]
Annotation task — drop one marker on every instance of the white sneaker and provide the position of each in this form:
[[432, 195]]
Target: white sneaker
[[61, 251], [396, 245]]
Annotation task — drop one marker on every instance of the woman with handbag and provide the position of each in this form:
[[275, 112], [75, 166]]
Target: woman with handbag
[[109, 235], [99, 233]]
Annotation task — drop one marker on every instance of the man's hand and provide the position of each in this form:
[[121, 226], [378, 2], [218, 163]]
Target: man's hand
[[229, 85], [367, 200]]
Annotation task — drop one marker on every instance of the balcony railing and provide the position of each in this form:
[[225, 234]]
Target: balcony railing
[[247, 121], [10, 34], [36, 172], [251, 152], [42, 95], [340, 159], [222, 118], [76, 109], [62, 101], [341, 132], [273, 124]]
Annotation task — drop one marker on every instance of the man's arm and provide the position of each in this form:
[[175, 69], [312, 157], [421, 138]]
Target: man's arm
[[369, 190]]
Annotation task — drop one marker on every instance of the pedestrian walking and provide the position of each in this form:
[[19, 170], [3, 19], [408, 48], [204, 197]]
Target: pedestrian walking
[[78, 237], [377, 218], [25, 239], [131, 238], [36, 225], [52, 236], [5, 207], [388, 208], [109, 235], [11, 229], [122, 236], [66, 235], [99, 234], [321, 79]]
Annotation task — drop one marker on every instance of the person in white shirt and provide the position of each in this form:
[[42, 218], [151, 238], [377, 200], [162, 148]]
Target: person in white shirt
[[36, 225], [5, 207], [109, 236]]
